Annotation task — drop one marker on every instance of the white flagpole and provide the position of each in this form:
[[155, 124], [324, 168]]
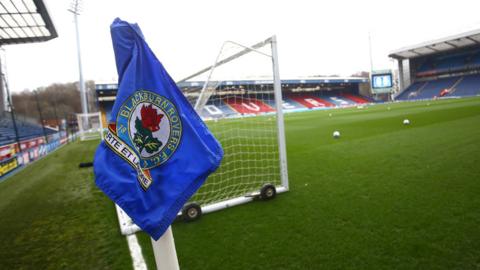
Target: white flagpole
[[164, 251]]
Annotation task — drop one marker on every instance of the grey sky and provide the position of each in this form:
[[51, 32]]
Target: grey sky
[[315, 37]]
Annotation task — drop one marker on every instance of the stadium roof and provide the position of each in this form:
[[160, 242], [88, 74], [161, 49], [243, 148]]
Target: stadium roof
[[454, 42], [25, 21], [310, 80]]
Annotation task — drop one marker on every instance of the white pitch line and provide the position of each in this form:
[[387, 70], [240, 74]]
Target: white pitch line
[[136, 253]]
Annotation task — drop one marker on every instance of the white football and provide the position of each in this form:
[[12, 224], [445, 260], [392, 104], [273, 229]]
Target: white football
[[336, 134], [406, 122]]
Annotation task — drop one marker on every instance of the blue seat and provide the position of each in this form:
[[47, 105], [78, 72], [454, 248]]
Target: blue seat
[[469, 86], [25, 130]]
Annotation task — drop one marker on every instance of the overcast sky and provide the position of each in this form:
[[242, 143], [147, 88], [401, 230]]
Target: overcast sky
[[314, 37]]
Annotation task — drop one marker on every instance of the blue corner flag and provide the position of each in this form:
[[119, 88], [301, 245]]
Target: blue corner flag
[[157, 151]]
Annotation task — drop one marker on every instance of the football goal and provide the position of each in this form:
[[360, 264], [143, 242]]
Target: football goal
[[239, 98], [90, 126]]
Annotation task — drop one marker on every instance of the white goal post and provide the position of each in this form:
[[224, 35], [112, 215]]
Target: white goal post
[[240, 99], [90, 126]]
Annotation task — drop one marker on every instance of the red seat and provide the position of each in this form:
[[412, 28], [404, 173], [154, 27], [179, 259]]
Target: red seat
[[310, 101], [248, 105]]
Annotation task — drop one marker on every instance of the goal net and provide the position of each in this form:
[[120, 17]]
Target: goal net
[[90, 126], [238, 100]]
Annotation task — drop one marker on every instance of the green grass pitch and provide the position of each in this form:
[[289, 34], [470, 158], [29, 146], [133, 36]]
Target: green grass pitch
[[383, 196]]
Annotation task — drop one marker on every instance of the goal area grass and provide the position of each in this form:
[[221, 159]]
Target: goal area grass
[[382, 196]]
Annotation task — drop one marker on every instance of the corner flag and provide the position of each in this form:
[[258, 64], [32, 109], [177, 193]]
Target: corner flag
[[157, 151]]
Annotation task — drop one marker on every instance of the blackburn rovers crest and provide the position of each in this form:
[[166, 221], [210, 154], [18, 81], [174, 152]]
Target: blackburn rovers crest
[[147, 132]]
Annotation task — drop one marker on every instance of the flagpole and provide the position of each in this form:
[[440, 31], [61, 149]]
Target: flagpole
[[164, 251]]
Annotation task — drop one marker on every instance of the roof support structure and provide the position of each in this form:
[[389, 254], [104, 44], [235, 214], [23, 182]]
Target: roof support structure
[[473, 40], [25, 21], [458, 41]]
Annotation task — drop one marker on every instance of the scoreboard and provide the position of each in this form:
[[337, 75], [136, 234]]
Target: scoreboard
[[382, 81]]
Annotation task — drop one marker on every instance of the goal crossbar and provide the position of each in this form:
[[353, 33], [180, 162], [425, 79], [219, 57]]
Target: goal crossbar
[[246, 50]]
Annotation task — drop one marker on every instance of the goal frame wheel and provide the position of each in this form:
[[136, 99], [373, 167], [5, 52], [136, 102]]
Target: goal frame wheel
[[191, 212], [268, 192]]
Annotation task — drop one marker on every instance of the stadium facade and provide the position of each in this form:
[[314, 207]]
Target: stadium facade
[[446, 67], [231, 99]]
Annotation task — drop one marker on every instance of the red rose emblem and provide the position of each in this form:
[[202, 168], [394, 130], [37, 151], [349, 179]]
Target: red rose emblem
[[150, 118]]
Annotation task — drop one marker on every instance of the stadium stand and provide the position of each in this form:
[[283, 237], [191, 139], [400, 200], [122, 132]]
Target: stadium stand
[[231, 100], [468, 86], [433, 88], [291, 105], [337, 100], [246, 105], [310, 101], [460, 86], [26, 130], [30, 146], [449, 63], [217, 108], [22, 22], [234, 106], [357, 99], [411, 91], [447, 67]]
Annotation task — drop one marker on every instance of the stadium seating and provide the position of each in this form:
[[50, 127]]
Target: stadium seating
[[25, 130], [357, 99], [433, 88], [339, 100], [311, 101], [411, 91], [476, 59], [234, 106], [290, 104], [451, 63], [218, 108], [245, 105], [459, 86], [468, 86]]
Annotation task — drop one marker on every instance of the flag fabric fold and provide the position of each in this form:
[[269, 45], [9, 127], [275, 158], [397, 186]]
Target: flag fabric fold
[[157, 151]]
